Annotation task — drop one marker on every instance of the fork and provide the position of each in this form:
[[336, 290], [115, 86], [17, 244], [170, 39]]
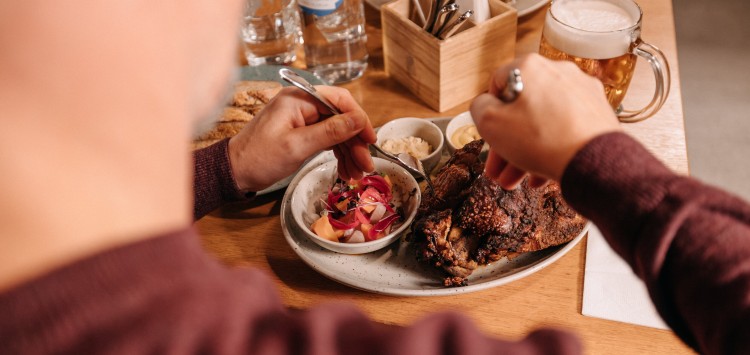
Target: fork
[[404, 160]]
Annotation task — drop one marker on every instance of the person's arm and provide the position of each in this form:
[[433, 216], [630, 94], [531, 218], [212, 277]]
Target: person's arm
[[342, 329], [213, 183], [689, 242], [276, 142], [166, 295]]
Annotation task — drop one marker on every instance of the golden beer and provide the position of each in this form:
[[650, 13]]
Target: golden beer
[[615, 73], [602, 37]]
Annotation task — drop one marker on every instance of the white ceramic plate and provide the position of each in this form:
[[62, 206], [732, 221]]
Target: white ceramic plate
[[394, 270], [525, 7]]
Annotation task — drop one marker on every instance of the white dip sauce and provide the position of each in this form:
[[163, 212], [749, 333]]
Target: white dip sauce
[[414, 146]]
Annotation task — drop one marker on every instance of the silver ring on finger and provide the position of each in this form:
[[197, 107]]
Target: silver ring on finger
[[513, 87]]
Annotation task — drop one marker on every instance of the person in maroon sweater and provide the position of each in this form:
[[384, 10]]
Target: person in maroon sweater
[[97, 252]]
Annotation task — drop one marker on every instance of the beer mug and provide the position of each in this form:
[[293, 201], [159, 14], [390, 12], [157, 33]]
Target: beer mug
[[603, 37]]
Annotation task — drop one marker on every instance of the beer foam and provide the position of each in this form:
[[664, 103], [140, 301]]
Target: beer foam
[[596, 29]]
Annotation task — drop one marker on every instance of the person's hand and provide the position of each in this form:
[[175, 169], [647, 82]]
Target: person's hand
[[559, 111], [289, 130]]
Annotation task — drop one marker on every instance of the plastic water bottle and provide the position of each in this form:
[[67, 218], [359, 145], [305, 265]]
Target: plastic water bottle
[[335, 39]]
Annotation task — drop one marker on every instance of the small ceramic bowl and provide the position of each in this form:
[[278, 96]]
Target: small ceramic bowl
[[463, 119], [314, 186], [415, 127]]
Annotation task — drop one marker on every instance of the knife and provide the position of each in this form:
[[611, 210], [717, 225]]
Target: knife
[[434, 9], [455, 25], [444, 16]]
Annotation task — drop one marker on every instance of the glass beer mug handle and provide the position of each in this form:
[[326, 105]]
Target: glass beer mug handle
[[659, 64]]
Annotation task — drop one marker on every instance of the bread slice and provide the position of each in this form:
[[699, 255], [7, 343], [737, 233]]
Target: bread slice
[[252, 93], [237, 114], [248, 99], [222, 130], [203, 144]]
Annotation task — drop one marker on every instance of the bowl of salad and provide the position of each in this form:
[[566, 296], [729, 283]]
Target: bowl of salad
[[355, 216]]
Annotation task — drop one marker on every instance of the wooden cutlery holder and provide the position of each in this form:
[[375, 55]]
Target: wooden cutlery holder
[[445, 73]]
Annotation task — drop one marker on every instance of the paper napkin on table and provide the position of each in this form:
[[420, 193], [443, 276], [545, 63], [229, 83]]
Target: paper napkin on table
[[611, 290]]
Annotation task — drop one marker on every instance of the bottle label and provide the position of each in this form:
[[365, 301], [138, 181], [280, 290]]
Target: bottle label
[[319, 7]]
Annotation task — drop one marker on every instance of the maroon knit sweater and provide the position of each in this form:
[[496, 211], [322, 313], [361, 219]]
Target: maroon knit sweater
[[689, 242]]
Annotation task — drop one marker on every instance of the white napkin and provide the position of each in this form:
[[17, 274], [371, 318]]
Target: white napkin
[[611, 290], [481, 9]]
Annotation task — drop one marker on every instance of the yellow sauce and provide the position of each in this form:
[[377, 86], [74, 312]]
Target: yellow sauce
[[464, 135]]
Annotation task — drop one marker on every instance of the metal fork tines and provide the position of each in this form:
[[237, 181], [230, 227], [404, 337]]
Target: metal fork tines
[[413, 166]]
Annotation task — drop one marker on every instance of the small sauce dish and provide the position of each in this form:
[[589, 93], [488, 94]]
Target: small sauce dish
[[403, 128]]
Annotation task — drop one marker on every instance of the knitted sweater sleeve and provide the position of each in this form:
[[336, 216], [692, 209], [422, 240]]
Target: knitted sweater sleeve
[[213, 183], [689, 242]]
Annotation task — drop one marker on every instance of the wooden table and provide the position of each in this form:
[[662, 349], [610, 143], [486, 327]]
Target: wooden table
[[250, 235]]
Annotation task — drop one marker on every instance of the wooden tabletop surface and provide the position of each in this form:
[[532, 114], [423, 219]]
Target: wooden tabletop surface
[[250, 234]]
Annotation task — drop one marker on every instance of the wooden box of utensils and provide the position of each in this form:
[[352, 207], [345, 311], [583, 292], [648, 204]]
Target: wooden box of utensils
[[446, 72]]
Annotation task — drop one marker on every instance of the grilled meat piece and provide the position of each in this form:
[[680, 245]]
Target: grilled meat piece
[[483, 211], [468, 156], [517, 221], [472, 221], [444, 246], [455, 281], [453, 179], [428, 231]]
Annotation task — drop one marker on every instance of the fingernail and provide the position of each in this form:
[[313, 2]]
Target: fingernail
[[351, 122], [342, 125]]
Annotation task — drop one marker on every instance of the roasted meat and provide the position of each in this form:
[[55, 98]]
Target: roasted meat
[[518, 221], [453, 179], [444, 246], [472, 221]]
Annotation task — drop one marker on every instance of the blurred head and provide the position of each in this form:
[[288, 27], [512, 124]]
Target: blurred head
[[97, 103], [147, 57]]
